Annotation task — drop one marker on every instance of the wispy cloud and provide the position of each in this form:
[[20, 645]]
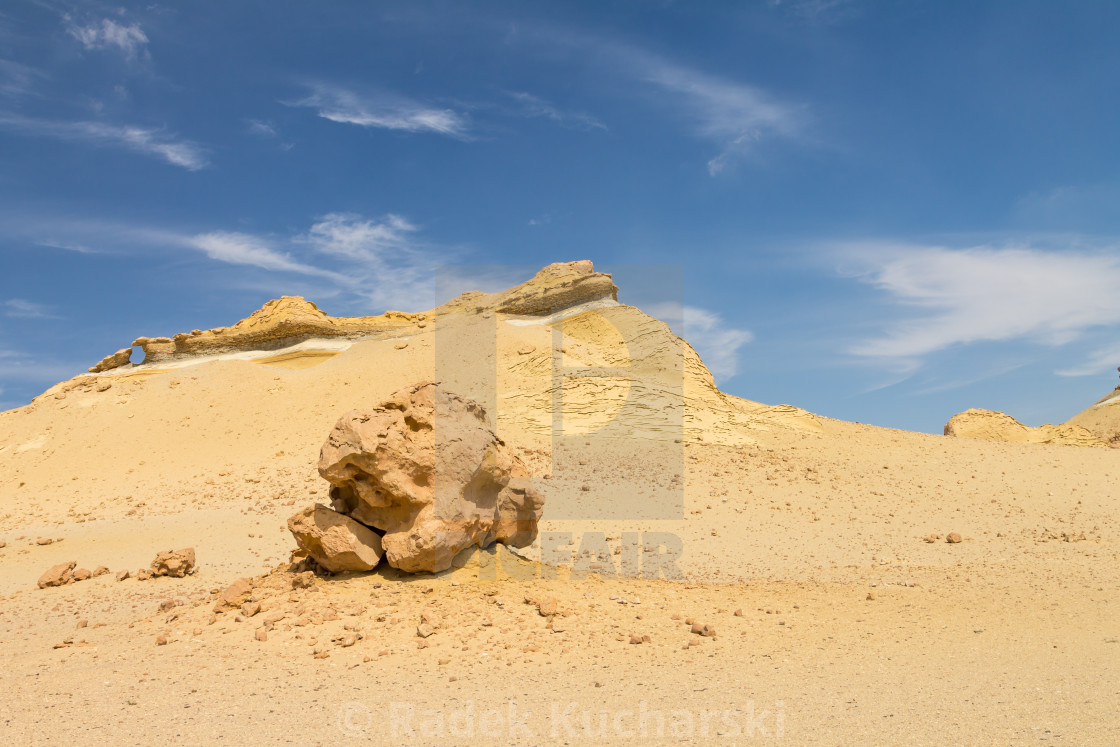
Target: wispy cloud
[[151, 142], [395, 268], [382, 111], [246, 249], [717, 343], [819, 11], [19, 308], [734, 115], [1101, 360], [108, 34], [17, 79], [985, 293], [534, 106], [737, 117], [264, 129], [375, 263]]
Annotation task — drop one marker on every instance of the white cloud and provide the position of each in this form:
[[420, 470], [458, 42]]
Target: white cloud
[[377, 264], [1101, 360], [139, 139], [246, 249], [716, 343], [382, 111], [384, 257], [534, 106], [354, 237], [19, 308], [985, 293], [130, 39]]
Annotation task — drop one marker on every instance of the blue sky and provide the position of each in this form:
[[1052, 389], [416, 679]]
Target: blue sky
[[883, 211]]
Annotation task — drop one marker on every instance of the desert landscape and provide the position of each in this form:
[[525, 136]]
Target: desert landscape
[[539, 521]]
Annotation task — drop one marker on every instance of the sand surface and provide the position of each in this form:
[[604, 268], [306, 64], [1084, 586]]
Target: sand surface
[[851, 627]]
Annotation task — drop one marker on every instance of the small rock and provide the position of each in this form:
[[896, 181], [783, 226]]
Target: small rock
[[122, 575], [348, 640], [932, 538], [161, 640], [100, 571], [82, 574], [705, 630], [547, 607], [234, 595], [143, 574], [952, 538], [250, 608], [58, 575], [44, 541], [83, 623], [871, 596], [738, 613], [261, 634]]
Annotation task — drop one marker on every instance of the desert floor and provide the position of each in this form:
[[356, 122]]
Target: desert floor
[[835, 622]]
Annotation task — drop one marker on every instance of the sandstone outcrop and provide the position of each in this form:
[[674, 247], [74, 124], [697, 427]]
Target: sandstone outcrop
[[174, 563], [991, 425], [116, 360], [291, 320], [424, 469], [335, 541]]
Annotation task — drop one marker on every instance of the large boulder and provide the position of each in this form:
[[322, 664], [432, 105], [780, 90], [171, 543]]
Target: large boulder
[[425, 469], [335, 541]]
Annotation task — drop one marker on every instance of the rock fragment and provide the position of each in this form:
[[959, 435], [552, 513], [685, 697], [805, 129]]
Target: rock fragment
[[58, 575], [335, 541], [234, 595]]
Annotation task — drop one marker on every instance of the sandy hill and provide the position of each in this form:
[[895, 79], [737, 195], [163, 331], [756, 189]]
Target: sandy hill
[[1102, 418], [816, 548], [1098, 426]]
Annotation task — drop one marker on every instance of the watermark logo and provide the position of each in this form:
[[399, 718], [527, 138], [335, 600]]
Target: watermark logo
[[354, 719], [405, 721]]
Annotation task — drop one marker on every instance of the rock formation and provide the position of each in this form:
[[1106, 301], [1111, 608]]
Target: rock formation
[[335, 541], [291, 320], [425, 470], [991, 425], [116, 360]]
